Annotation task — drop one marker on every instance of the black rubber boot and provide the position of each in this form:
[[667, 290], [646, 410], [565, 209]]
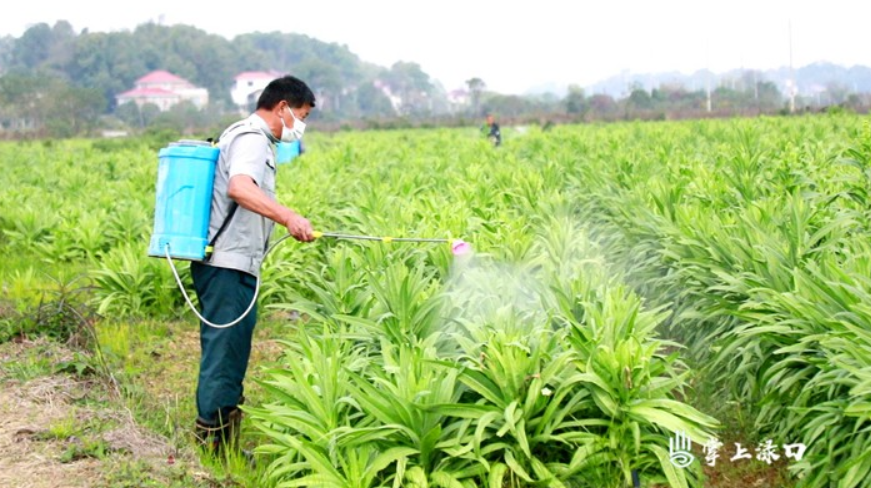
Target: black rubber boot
[[234, 429], [222, 437], [215, 438]]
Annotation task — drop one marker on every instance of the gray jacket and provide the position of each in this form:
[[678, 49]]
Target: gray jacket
[[247, 147]]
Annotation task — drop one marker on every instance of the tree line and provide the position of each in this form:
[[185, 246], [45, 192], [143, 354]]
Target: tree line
[[57, 82], [86, 70]]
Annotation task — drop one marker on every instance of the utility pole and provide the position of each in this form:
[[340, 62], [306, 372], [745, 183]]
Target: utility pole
[[792, 85], [709, 74], [756, 92], [709, 93], [755, 87]]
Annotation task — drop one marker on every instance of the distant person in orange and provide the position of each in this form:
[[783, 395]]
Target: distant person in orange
[[494, 135]]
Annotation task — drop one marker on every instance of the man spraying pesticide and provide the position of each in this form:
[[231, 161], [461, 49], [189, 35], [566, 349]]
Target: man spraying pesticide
[[216, 207], [244, 210]]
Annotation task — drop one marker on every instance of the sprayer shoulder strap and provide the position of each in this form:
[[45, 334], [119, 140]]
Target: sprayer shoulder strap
[[246, 127], [233, 207], [233, 204]]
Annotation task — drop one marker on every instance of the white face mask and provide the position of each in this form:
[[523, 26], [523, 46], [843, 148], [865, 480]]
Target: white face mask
[[290, 134]]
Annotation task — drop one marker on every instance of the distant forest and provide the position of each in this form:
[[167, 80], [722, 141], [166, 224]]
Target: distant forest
[[57, 82]]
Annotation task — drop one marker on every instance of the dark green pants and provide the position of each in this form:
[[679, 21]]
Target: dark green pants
[[224, 294]]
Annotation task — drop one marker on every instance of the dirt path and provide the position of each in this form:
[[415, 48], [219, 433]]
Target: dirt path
[[29, 456], [60, 432], [67, 430]]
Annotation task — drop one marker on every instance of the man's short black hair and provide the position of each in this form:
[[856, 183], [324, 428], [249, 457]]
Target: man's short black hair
[[288, 88]]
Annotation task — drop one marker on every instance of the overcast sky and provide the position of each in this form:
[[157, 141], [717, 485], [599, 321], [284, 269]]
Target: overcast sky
[[514, 45]]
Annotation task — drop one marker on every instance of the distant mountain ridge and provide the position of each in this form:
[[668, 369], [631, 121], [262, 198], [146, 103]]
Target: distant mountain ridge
[[810, 80]]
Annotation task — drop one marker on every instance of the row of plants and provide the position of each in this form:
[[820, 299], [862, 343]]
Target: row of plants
[[745, 239], [386, 305], [755, 233], [530, 364], [545, 372]]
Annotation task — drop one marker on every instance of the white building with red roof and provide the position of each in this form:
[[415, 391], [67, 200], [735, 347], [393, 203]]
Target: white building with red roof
[[164, 89], [248, 87]]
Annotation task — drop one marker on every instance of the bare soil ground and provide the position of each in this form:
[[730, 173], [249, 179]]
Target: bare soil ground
[[60, 431], [62, 427]]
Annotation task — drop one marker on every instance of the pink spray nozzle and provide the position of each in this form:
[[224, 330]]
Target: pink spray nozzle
[[460, 247]]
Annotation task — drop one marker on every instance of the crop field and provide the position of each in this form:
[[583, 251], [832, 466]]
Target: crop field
[[631, 284]]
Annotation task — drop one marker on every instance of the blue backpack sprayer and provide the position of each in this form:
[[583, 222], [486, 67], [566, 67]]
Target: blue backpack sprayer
[[185, 180]]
